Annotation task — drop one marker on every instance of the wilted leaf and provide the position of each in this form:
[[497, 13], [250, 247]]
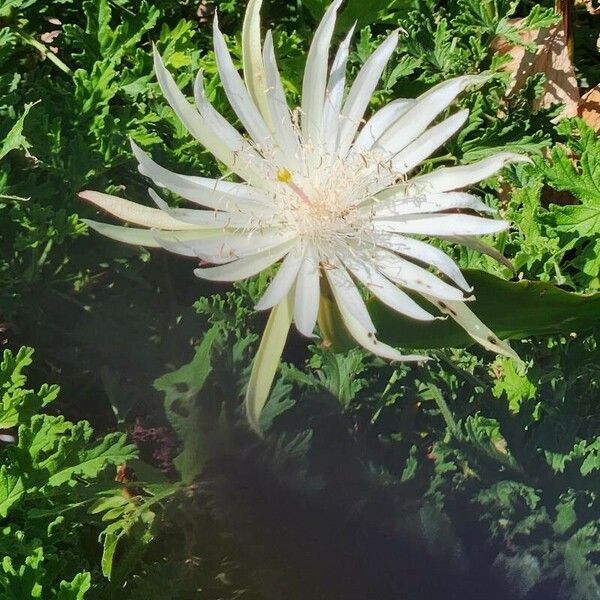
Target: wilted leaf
[[589, 4], [589, 108], [543, 51]]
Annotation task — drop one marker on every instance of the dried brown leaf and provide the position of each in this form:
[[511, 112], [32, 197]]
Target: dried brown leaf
[[589, 108], [589, 4], [551, 57]]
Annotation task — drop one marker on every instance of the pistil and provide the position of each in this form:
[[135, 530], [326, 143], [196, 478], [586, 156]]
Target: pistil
[[284, 176]]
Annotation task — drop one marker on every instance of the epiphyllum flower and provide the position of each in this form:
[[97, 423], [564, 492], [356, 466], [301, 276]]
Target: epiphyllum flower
[[325, 195]]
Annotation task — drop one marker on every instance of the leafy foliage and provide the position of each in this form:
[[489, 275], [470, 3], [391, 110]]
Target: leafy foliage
[[469, 476], [47, 478]]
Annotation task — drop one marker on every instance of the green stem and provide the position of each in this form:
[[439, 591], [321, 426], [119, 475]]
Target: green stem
[[45, 52], [452, 425]]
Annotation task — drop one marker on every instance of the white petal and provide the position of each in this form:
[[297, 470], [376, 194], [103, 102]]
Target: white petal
[[334, 95], [368, 341], [479, 246], [245, 267], [254, 72], [284, 279], [474, 327], [361, 92], [307, 294], [380, 122], [443, 225], [315, 77], [200, 218], [425, 253], [212, 193], [394, 204], [267, 361], [453, 178], [225, 247], [133, 212], [427, 143], [129, 235], [282, 124], [241, 158], [346, 293], [413, 277], [428, 106], [237, 93], [385, 290]]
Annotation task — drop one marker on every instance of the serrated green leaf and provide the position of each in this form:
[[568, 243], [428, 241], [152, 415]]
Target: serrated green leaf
[[579, 175], [12, 490], [15, 139], [76, 588], [184, 409]]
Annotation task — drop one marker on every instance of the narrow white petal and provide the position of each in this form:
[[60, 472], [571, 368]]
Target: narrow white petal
[[425, 253], [361, 92], [267, 361], [307, 294], [474, 327], [346, 293], [442, 225], [225, 247], [427, 107], [479, 246], [427, 143], [133, 212], [200, 218], [212, 193], [237, 93], [334, 95], [453, 178], [128, 235], [241, 158], [393, 204], [368, 341], [254, 72], [283, 127], [245, 267], [385, 290], [284, 279], [413, 277], [380, 122], [315, 77]]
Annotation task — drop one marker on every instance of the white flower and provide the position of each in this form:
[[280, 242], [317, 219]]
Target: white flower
[[324, 193]]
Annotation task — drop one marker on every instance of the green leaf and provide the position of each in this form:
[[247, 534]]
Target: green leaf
[[579, 175], [339, 374], [15, 139], [184, 409], [12, 489], [512, 383], [365, 13], [582, 569], [76, 588], [513, 310], [54, 451]]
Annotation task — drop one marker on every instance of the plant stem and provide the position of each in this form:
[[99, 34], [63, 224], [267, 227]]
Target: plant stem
[[452, 425], [45, 52], [566, 8]]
